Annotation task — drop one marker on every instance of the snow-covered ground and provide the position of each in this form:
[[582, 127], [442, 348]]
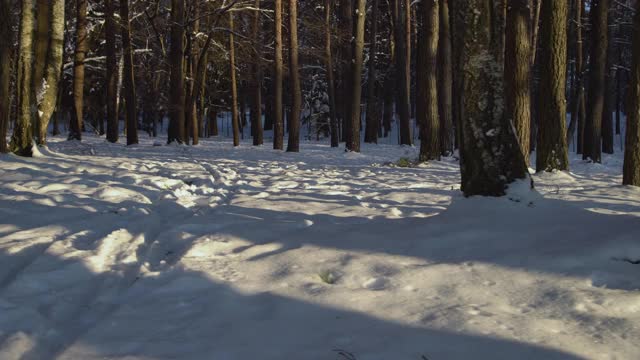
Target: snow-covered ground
[[211, 252]]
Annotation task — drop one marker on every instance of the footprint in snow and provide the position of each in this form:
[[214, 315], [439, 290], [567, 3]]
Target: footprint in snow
[[376, 284]]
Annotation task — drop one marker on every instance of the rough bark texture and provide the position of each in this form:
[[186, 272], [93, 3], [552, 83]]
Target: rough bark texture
[[427, 81], [22, 139], [372, 120], [609, 97], [356, 74], [333, 120], [403, 74], [293, 144], [445, 81], [552, 151], [578, 112], [176, 90], [48, 95], [112, 73], [234, 86], [490, 157], [77, 117], [597, 72], [631, 172], [256, 87], [345, 91], [278, 123], [129, 82], [518, 72], [5, 74]]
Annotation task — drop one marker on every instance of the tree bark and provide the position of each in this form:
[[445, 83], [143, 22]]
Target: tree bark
[[331, 85], [490, 157], [176, 62], [631, 169], [597, 72], [609, 97], [256, 87], [234, 86], [518, 73], [129, 80], [356, 73], [578, 113], [278, 123], [551, 151], [112, 73], [372, 120], [294, 76], [427, 82], [77, 117], [5, 73], [48, 95], [403, 64], [445, 81]]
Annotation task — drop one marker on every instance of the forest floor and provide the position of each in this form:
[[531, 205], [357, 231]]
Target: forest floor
[[210, 252]]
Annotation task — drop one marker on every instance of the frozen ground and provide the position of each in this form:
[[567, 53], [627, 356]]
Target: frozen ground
[[210, 252]]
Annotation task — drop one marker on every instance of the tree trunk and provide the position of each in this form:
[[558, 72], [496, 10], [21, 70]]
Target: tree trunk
[[294, 76], [445, 81], [176, 62], [597, 73], [256, 91], [129, 80], [609, 97], [331, 85], [490, 157], [234, 86], [403, 62], [48, 96], [578, 112], [518, 73], [5, 73], [551, 151], [345, 91], [427, 82], [112, 73], [356, 73], [631, 171], [77, 117], [278, 124], [372, 121]]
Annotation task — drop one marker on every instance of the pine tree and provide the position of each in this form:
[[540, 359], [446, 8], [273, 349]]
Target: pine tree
[[278, 124], [176, 63], [552, 150], [294, 75], [77, 116], [356, 73], [256, 86], [631, 172], [5, 73], [427, 81], [112, 73], [129, 80], [490, 157]]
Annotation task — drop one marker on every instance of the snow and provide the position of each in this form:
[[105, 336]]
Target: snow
[[215, 252]]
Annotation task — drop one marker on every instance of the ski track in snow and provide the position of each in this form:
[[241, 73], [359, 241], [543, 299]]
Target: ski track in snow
[[210, 252]]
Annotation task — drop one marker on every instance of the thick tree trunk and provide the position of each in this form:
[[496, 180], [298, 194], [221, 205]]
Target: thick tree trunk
[[129, 80], [331, 85], [77, 117], [112, 73], [551, 151], [48, 95], [597, 72], [445, 81], [631, 171], [294, 76], [278, 124], [427, 82], [5, 73], [345, 91], [518, 73], [256, 87], [176, 62], [372, 120], [356, 73], [490, 157]]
